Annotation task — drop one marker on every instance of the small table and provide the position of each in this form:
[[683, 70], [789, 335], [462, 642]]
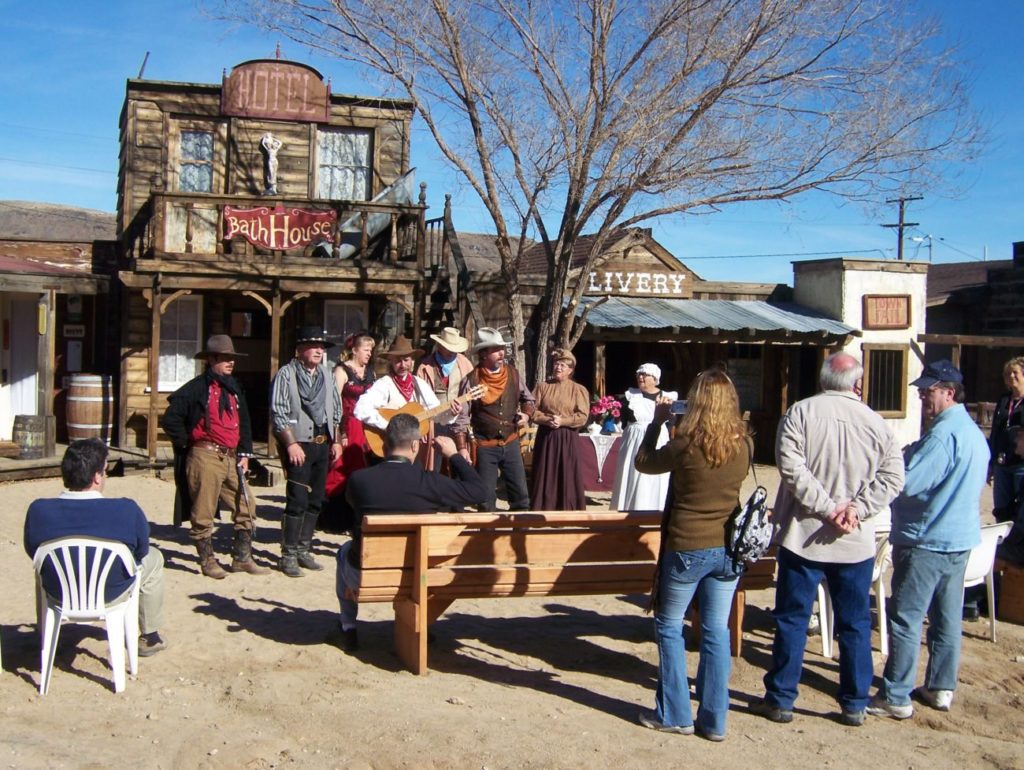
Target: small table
[[598, 458]]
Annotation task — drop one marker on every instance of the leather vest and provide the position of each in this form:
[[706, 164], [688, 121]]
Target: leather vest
[[497, 420]]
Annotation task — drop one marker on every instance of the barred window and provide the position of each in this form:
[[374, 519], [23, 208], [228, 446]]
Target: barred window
[[885, 379]]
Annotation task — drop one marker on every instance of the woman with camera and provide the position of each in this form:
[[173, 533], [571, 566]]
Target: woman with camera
[[708, 458]]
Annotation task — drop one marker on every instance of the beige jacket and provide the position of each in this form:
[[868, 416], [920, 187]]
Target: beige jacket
[[831, 449]]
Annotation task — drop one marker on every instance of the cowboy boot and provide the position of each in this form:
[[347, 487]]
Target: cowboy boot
[[305, 558], [243, 561], [290, 527], [208, 562]]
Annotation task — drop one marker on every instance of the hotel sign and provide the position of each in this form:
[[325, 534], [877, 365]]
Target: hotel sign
[[278, 90], [635, 284], [886, 311], [279, 227]]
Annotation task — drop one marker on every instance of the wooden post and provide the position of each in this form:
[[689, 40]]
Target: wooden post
[[275, 355], [154, 367], [956, 355], [411, 617], [600, 370]]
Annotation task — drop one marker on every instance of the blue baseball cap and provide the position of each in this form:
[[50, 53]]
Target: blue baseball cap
[[938, 371]]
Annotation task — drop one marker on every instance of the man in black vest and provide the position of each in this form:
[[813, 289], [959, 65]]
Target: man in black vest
[[495, 420]]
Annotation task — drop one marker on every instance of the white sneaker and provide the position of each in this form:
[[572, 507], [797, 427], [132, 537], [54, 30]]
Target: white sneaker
[[937, 699], [880, 707]]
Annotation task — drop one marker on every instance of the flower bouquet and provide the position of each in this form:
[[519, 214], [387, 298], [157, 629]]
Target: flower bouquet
[[606, 410]]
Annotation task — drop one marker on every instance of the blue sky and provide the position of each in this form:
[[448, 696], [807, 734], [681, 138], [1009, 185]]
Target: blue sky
[[64, 67]]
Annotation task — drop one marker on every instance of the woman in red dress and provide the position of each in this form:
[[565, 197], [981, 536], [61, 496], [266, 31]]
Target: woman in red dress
[[352, 376]]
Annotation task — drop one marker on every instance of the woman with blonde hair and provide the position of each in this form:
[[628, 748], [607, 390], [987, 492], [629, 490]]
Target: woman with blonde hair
[[708, 457]]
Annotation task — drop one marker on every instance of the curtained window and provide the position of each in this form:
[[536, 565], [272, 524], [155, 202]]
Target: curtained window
[[343, 167], [195, 161], [180, 327]]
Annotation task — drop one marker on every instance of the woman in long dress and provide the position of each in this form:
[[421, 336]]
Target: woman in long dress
[[562, 409], [352, 376], [635, 491]]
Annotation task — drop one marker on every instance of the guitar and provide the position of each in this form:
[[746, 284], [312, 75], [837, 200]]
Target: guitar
[[375, 436]]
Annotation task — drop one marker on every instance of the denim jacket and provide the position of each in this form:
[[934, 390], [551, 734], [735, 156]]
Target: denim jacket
[[946, 469]]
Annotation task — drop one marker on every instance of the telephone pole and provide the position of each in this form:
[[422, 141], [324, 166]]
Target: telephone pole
[[901, 224]]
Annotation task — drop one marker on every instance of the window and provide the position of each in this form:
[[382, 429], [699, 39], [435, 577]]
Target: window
[[342, 317], [180, 327], [344, 165], [885, 379], [195, 161]]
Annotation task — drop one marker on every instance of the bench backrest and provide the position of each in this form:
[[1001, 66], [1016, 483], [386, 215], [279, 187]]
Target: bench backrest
[[509, 554]]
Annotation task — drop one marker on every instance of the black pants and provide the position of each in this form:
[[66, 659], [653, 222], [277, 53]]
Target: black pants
[[307, 483]]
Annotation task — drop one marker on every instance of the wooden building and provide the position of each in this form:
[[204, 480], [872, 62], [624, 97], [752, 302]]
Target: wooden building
[[250, 207], [649, 306]]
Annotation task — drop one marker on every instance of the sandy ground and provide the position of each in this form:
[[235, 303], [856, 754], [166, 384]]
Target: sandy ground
[[254, 678]]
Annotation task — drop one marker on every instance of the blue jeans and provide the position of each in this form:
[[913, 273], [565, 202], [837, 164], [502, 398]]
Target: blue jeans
[[849, 586], [346, 576], [509, 460], [709, 574], [924, 581]]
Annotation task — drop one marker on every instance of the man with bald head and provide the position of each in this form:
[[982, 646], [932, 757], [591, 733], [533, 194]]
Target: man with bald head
[[840, 465]]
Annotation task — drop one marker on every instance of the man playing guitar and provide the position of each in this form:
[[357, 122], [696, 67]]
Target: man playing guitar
[[394, 391]]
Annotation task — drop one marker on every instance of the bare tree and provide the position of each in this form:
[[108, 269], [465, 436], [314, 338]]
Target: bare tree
[[573, 115]]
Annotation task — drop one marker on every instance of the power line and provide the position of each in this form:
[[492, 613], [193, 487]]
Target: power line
[[900, 225], [57, 165], [791, 254], [47, 130]]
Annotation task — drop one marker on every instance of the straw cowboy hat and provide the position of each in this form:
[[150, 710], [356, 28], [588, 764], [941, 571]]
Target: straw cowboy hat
[[451, 339], [487, 337], [219, 345], [401, 348], [312, 334]]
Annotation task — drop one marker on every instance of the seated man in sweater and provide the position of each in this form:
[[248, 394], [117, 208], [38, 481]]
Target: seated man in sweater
[[399, 485], [82, 511]]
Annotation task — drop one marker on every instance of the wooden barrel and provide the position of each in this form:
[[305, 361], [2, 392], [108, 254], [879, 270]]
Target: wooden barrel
[[30, 434], [90, 407]]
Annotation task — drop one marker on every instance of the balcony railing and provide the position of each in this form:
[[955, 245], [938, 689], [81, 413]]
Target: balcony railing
[[191, 226]]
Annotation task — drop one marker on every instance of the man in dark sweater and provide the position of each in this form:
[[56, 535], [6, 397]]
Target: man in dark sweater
[[82, 511], [399, 485]]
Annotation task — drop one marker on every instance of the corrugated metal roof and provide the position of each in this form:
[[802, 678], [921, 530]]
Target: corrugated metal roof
[[724, 314]]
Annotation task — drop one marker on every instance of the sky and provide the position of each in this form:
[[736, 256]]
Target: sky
[[64, 68]]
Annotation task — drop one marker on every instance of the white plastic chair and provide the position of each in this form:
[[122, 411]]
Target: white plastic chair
[[981, 566], [883, 559], [83, 584]]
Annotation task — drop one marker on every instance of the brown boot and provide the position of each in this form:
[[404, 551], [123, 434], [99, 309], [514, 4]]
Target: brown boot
[[208, 562], [242, 561]]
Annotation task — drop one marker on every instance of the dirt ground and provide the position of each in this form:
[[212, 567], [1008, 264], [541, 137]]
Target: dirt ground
[[254, 678]]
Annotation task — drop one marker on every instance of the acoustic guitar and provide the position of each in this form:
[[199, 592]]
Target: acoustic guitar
[[375, 436]]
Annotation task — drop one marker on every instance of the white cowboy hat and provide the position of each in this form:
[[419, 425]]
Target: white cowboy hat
[[487, 337], [451, 339]]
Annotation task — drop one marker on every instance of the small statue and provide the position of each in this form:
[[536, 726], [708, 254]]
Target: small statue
[[270, 145]]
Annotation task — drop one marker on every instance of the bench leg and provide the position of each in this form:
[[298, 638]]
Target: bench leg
[[411, 635], [739, 605]]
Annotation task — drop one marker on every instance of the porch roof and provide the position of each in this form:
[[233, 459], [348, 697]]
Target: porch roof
[[753, 318]]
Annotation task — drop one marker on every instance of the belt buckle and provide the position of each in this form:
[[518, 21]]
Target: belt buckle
[[321, 439]]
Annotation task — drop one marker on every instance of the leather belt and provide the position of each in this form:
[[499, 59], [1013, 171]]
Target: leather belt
[[213, 447], [488, 442]]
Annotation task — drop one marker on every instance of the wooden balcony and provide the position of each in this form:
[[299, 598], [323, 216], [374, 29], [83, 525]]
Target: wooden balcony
[[184, 232]]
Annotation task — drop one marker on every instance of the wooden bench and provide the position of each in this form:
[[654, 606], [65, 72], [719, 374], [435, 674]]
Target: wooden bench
[[424, 562]]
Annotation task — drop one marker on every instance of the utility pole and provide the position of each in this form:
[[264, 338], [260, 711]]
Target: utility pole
[[901, 224]]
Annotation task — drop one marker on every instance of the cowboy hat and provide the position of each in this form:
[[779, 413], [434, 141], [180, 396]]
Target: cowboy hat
[[450, 339], [401, 348], [315, 334], [487, 337], [219, 345]]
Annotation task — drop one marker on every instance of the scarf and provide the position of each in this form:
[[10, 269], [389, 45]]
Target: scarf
[[445, 367], [406, 386], [311, 394], [495, 382], [228, 387]]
